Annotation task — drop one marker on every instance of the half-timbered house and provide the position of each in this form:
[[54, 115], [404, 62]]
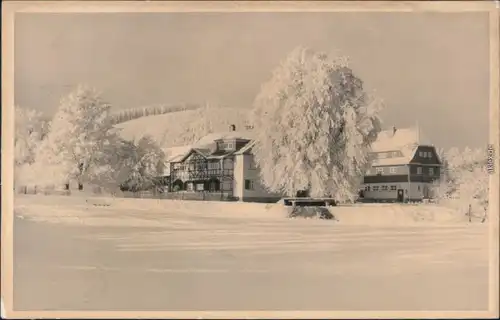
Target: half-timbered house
[[219, 163]]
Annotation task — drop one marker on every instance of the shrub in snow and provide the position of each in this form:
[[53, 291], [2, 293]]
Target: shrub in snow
[[310, 212], [79, 132], [314, 125]]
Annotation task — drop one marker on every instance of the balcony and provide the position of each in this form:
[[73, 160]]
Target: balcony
[[200, 174]]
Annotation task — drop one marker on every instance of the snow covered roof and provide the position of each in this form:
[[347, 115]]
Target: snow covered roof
[[390, 140], [246, 148], [405, 140], [210, 138], [176, 153], [203, 152]]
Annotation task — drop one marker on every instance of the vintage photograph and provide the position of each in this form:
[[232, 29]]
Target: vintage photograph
[[235, 160]]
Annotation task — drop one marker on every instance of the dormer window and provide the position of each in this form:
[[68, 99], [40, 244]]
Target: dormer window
[[226, 145]]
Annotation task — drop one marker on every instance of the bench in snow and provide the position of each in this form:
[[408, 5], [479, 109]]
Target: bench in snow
[[309, 202]]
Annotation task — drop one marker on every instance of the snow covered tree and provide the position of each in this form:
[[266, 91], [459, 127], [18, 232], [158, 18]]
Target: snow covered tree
[[80, 130], [145, 162], [466, 181], [30, 129], [115, 165], [314, 126]]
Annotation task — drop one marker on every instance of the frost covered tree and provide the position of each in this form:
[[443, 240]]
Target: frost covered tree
[[466, 180], [79, 132], [30, 128], [314, 125], [141, 164], [114, 165]]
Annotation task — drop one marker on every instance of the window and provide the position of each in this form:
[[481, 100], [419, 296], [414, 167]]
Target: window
[[375, 188], [189, 186], [248, 185], [419, 170], [393, 169], [384, 188], [367, 188], [380, 170], [431, 171], [230, 146], [393, 188], [421, 154], [199, 187], [213, 165], [252, 164], [382, 155], [201, 166]]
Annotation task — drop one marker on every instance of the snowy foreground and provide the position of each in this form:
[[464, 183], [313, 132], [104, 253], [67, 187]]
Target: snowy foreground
[[77, 253]]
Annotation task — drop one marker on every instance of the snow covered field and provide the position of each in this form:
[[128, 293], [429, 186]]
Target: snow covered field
[[136, 254]]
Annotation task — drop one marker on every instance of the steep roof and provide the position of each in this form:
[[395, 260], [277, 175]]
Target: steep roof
[[406, 140], [176, 153]]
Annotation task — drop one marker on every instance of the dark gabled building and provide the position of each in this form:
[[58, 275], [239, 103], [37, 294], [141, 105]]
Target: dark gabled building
[[403, 167]]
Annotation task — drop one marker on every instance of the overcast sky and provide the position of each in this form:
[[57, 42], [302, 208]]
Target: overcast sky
[[428, 67]]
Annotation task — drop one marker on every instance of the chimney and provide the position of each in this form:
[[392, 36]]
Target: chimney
[[232, 127], [394, 129]]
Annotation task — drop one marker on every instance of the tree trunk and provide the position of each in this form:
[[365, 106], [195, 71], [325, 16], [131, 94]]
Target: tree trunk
[[66, 186], [80, 186]]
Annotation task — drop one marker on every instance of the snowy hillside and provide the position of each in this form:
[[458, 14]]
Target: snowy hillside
[[184, 127]]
